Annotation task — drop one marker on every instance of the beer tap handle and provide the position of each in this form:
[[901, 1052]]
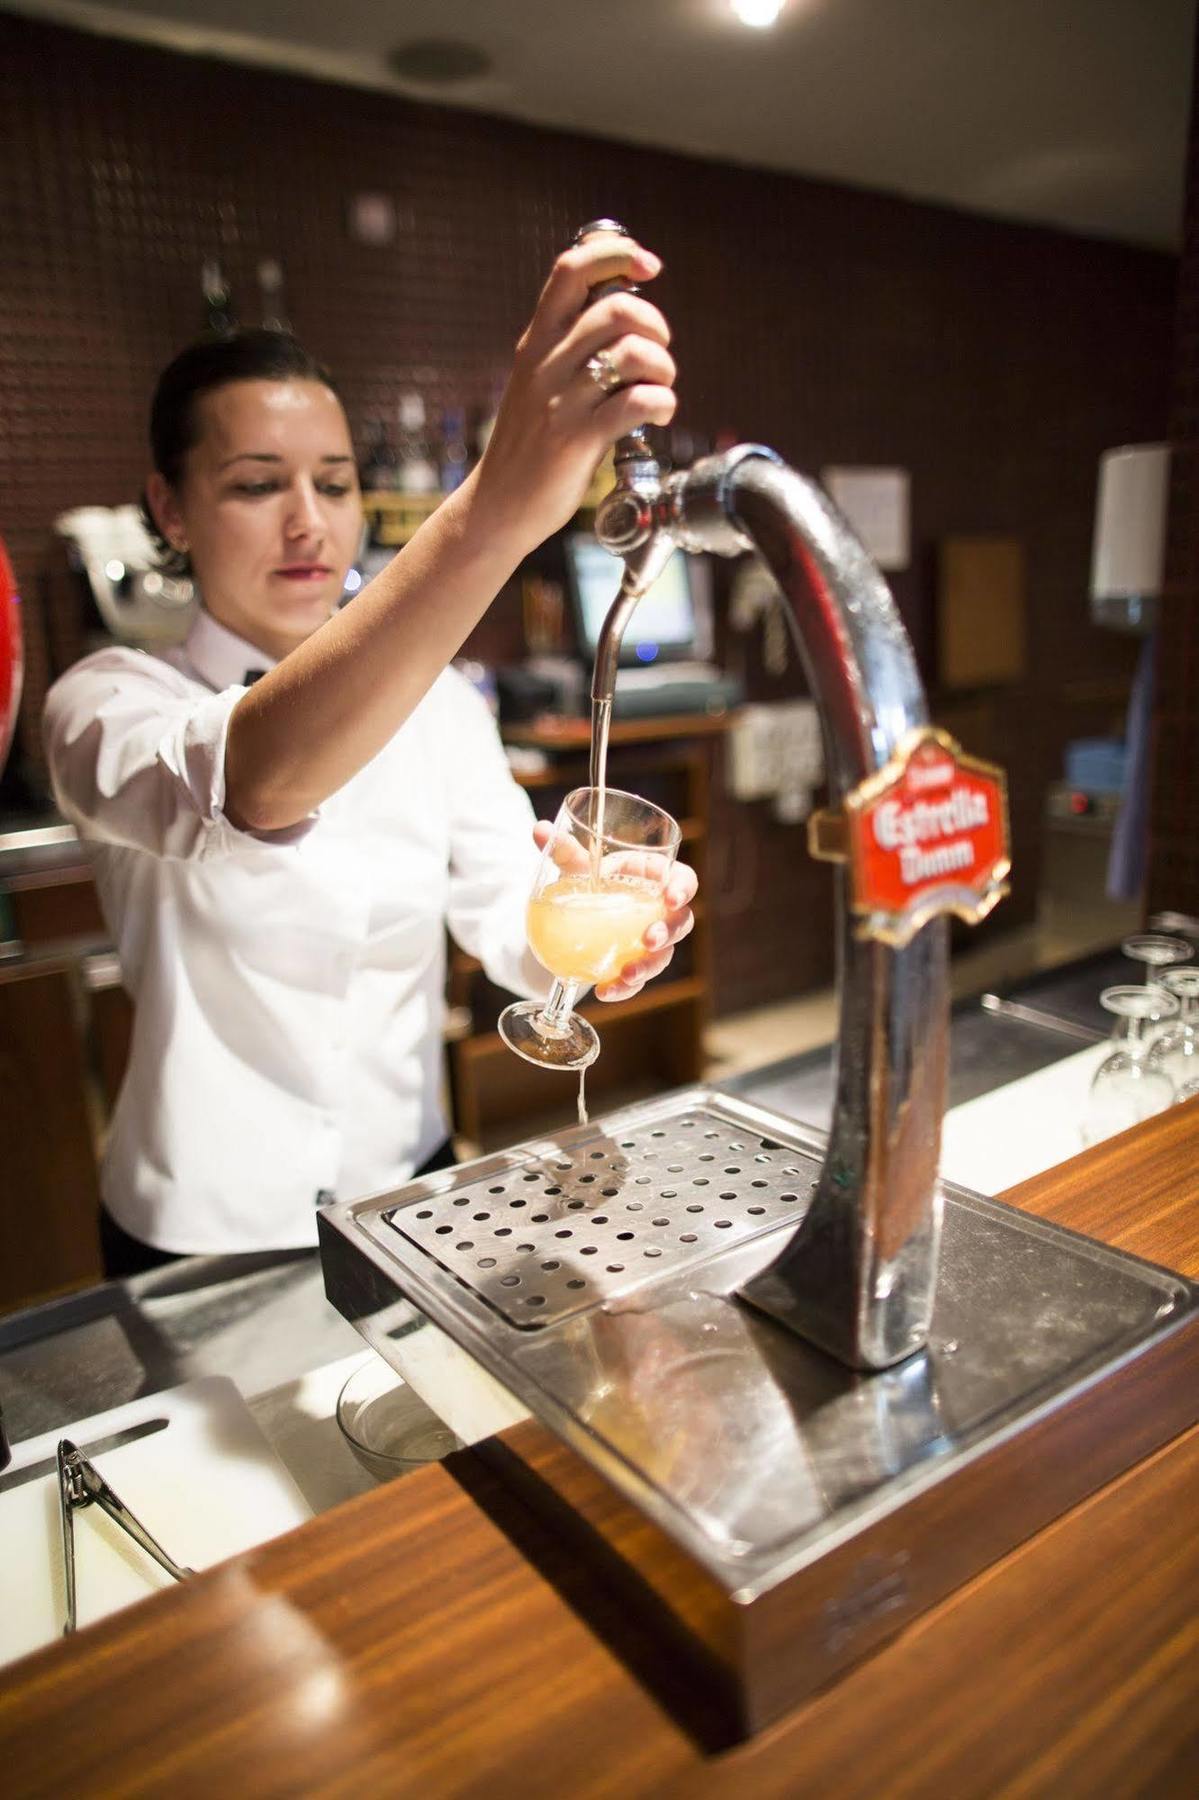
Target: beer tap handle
[[625, 520]]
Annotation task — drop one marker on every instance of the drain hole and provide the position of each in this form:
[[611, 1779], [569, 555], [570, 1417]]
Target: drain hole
[[733, 1146], [564, 1234], [732, 1169], [661, 1221], [578, 1282], [729, 1194], [695, 1209], [642, 1181], [653, 1251], [711, 1134], [701, 1181], [531, 1176], [616, 1268], [466, 1244], [788, 1196], [496, 1190], [583, 1178], [756, 1210], [628, 1143], [487, 1262], [553, 1190], [480, 1217], [723, 1224], [599, 1218], [758, 1184], [549, 1267], [625, 1237], [657, 1134], [575, 1205], [587, 1250], [444, 1230], [769, 1144], [634, 1206], [509, 1280], [503, 1231], [674, 1168], [707, 1157], [535, 1300], [609, 1193], [520, 1203], [526, 1247], [688, 1237], [427, 1213], [462, 1201], [669, 1194], [539, 1218]]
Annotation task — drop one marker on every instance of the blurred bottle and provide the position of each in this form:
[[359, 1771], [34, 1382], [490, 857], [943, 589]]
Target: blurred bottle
[[219, 319], [485, 420], [270, 286], [454, 457], [378, 472], [416, 472]]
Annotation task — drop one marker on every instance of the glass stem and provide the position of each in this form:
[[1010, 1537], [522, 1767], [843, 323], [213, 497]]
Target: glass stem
[[560, 1004]]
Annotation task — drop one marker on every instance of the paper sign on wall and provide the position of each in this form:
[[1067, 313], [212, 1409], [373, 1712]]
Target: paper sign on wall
[[877, 503]]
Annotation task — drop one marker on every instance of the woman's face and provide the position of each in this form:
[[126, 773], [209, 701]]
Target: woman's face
[[268, 508]]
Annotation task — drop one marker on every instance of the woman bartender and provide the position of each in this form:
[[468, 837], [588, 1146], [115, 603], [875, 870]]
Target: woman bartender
[[287, 811]]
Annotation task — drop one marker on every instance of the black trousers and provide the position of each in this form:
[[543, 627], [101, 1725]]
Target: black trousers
[[125, 1255]]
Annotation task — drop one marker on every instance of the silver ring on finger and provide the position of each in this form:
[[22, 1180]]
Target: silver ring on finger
[[603, 372]]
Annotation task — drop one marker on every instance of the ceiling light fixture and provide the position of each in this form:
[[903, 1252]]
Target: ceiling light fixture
[[759, 14]]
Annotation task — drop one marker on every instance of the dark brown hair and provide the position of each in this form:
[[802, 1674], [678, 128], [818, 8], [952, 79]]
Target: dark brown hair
[[254, 354]]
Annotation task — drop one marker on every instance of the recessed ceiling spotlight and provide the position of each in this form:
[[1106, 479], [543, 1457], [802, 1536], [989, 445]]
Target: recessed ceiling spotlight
[[760, 14], [439, 62]]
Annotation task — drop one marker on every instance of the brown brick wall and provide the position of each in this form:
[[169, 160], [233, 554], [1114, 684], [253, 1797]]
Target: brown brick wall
[[995, 362], [1174, 818]]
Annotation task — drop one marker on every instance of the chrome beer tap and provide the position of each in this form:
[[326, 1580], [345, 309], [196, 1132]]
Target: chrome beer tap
[[858, 1275]]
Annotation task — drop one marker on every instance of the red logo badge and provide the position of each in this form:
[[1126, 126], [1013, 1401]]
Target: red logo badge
[[927, 835]]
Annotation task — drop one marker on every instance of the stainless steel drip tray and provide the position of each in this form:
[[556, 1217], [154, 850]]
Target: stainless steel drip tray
[[593, 1275]]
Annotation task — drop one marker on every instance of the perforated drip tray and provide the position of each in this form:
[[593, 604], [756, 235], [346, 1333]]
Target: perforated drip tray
[[594, 1276], [597, 1217]]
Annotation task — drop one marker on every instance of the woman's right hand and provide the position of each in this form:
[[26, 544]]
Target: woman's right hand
[[555, 422]]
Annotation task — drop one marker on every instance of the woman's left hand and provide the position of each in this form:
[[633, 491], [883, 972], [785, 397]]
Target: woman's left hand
[[660, 938]]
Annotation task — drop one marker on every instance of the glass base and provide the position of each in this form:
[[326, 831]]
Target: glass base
[[524, 1028]]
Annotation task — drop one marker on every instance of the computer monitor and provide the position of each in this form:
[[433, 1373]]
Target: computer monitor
[[663, 625]]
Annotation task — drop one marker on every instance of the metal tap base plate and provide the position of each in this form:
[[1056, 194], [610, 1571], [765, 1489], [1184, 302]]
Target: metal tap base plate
[[800, 1512]]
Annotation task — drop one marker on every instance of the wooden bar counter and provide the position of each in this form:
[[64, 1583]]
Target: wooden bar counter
[[404, 1644]]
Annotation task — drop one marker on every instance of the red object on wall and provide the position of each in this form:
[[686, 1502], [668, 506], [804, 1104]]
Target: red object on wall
[[12, 662]]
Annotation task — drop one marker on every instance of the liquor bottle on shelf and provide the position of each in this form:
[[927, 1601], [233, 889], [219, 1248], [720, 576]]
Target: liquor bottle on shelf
[[270, 287], [416, 472], [219, 319], [378, 473], [453, 457]]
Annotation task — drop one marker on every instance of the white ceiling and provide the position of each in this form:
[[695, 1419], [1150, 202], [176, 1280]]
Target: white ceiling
[[1064, 112]]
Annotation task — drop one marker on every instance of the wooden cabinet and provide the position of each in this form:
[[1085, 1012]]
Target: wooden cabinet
[[650, 1042]]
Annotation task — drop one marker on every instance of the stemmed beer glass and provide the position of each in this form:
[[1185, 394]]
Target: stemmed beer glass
[[600, 885], [1126, 1088]]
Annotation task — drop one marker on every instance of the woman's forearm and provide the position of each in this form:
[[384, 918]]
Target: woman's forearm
[[331, 705], [301, 732]]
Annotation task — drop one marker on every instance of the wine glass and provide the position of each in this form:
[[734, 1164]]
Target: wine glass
[[600, 885], [1125, 1088], [1156, 951], [1175, 1051]]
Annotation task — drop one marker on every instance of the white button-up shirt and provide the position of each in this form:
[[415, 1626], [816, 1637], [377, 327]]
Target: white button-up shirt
[[289, 986]]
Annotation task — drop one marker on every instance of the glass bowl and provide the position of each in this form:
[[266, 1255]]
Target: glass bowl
[[387, 1425]]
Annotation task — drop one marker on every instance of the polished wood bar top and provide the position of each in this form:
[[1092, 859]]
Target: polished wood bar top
[[403, 1644]]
